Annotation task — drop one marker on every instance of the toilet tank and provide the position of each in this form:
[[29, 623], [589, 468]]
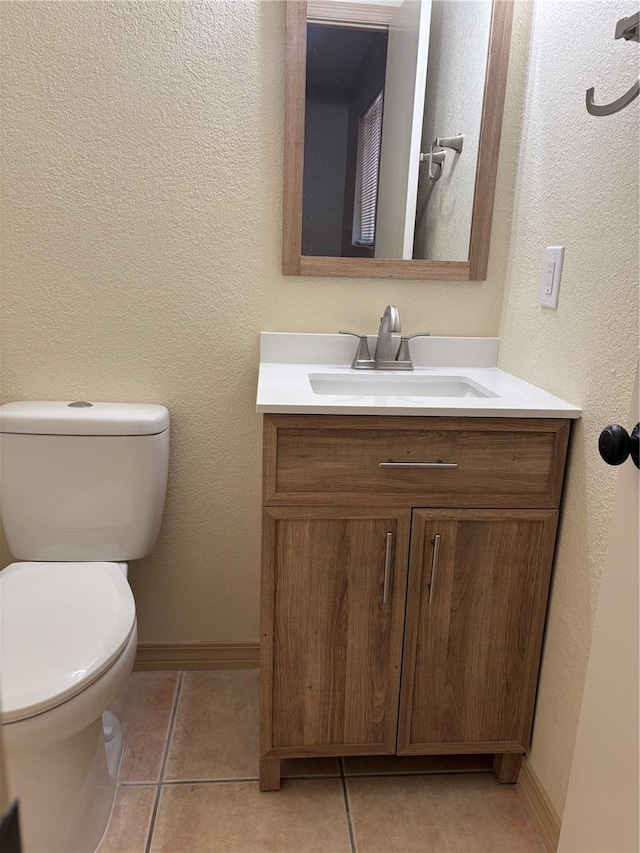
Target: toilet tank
[[82, 481]]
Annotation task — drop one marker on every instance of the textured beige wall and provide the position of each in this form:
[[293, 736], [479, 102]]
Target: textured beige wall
[[577, 186], [141, 216]]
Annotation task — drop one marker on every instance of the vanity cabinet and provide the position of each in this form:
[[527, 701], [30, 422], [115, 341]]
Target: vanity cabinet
[[406, 568]]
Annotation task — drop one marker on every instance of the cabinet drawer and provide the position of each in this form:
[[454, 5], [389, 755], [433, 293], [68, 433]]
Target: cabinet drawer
[[326, 459]]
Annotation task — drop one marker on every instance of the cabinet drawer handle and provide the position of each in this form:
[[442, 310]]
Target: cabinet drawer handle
[[387, 569], [417, 464], [434, 565]]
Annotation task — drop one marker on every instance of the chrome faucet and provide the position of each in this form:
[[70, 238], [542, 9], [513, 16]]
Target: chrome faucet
[[388, 355]]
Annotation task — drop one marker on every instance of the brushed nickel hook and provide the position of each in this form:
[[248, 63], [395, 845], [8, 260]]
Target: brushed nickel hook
[[437, 154], [434, 158], [615, 106], [454, 142], [629, 30]]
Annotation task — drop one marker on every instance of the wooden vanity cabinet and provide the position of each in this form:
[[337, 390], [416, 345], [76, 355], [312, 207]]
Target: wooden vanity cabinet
[[394, 621]]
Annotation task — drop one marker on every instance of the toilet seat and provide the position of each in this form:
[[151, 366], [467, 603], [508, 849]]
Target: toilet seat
[[62, 625]]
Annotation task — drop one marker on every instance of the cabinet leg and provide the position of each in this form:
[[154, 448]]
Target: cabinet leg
[[506, 766], [269, 774]]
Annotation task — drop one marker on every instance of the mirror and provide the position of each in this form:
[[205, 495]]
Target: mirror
[[392, 133]]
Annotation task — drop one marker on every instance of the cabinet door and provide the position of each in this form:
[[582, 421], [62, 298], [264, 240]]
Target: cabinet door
[[334, 588], [478, 585]]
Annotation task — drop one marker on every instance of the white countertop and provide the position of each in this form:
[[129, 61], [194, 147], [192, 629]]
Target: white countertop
[[287, 360]]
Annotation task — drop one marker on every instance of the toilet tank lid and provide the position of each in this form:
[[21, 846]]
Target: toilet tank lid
[[65, 417]]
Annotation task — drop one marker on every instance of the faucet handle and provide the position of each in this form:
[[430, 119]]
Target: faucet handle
[[362, 357], [403, 350]]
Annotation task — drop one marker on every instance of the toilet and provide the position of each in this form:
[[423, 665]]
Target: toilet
[[82, 488]]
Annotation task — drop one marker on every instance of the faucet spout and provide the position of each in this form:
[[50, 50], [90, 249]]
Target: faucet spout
[[389, 325]]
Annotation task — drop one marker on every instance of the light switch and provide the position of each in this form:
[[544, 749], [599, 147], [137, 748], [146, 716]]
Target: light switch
[[548, 277], [551, 276]]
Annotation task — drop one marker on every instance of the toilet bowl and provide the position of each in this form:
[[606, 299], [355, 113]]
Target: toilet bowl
[[82, 492], [70, 629]]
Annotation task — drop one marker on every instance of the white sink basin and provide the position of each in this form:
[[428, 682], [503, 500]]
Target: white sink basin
[[396, 385]]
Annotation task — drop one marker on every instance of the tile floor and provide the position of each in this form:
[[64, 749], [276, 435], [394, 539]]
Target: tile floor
[[188, 784]]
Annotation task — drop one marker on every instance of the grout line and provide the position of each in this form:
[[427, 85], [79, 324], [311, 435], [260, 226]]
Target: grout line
[[345, 793], [172, 720], [174, 712], [343, 773], [212, 781], [171, 782]]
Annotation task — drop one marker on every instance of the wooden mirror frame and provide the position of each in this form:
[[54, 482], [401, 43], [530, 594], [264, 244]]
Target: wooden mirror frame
[[475, 269]]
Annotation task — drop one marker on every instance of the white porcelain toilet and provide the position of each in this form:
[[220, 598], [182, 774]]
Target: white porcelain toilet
[[82, 489]]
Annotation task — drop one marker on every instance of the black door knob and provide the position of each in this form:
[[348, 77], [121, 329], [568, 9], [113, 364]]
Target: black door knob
[[615, 444]]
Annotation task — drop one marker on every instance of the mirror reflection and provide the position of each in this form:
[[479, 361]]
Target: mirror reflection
[[393, 106]]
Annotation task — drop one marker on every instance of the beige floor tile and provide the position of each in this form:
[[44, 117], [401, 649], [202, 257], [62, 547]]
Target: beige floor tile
[[299, 768], [437, 814], [389, 765], [504, 839], [130, 820], [144, 708], [215, 735], [306, 816]]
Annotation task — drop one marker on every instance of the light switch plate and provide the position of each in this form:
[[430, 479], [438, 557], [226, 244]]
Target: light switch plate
[[551, 276]]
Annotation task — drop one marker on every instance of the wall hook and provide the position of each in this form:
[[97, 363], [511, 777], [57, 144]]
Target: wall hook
[[437, 154], [435, 158], [629, 30], [615, 106], [455, 143]]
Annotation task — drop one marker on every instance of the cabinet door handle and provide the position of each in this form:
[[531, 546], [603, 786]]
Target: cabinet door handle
[[387, 569], [434, 565], [417, 464]]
